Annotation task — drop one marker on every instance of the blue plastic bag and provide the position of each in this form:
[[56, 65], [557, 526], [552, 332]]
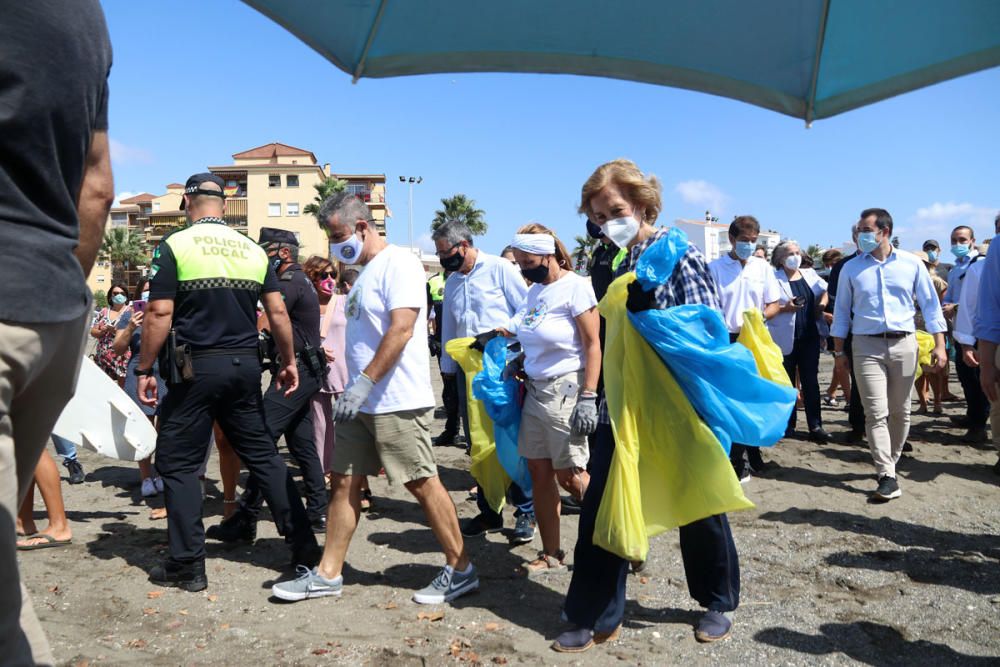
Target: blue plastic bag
[[499, 396], [719, 378]]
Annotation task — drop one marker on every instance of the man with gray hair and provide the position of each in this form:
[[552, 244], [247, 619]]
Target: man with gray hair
[[383, 417], [481, 294]]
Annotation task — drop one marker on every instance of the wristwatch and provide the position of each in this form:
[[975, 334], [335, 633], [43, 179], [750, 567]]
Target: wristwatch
[[138, 372]]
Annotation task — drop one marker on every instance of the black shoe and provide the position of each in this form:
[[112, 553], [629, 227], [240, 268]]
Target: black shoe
[[237, 528], [818, 435], [318, 525], [571, 505], [480, 525], [887, 489], [976, 436], [76, 475], [186, 576], [307, 555], [446, 439], [854, 437], [460, 441], [960, 420], [907, 447]]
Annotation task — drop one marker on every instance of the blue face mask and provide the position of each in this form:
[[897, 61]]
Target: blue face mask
[[867, 241], [119, 299], [960, 250], [932, 256], [744, 249]]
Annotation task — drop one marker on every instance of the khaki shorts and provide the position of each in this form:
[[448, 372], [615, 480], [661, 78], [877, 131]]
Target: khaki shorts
[[545, 431], [400, 442]]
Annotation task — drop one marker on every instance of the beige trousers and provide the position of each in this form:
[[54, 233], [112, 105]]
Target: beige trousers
[[885, 369], [39, 365]]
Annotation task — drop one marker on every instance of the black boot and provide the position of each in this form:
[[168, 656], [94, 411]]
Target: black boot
[[237, 528], [186, 576]]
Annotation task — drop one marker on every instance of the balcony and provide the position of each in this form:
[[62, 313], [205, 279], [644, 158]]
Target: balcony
[[236, 210]]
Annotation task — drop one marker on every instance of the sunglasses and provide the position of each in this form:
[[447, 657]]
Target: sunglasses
[[322, 275]]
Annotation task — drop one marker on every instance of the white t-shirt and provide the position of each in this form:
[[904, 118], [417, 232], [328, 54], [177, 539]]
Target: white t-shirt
[[393, 279], [743, 287], [546, 328]]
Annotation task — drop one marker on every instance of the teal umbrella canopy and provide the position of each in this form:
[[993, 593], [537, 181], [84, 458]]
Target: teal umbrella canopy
[[805, 58]]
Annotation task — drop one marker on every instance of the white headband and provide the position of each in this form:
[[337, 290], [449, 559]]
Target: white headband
[[535, 244]]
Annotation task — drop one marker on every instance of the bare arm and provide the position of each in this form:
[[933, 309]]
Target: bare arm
[[97, 193], [589, 326], [401, 323], [156, 325], [772, 309]]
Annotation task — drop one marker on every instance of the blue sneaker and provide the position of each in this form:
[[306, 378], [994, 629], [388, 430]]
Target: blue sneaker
[[448, 585], [524, 530], [714, 626], [309, 584]]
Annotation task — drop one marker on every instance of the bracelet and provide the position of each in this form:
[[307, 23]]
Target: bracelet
[[588, 394], [230, 502], [367, 377]]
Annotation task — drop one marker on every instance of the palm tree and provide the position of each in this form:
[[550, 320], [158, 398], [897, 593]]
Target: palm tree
[[462, 209], [582, 251], [815, 251], [122, 249], [324, 189]]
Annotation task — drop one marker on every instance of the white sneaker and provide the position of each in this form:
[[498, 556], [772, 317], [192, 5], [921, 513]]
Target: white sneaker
[[158, 483], [148, 487]]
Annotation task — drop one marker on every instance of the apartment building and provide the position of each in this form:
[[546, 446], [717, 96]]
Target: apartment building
[[712, 237]]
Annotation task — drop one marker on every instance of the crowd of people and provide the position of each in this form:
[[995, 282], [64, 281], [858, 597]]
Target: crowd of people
[[348, 356]]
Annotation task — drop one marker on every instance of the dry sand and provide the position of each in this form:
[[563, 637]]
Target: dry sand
[[826, 576]]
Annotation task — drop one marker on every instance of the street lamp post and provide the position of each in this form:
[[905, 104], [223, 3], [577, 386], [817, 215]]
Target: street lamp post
[[411, 180]]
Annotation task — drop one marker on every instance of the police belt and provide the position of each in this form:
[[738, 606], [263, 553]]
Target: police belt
[[224, 351]]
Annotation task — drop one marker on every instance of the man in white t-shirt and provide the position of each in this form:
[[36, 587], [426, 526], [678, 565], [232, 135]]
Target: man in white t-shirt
[[744, 282], [383, 417]]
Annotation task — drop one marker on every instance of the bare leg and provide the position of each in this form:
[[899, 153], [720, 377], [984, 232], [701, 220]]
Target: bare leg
[[146, 469], [229, 470], [443, 518], [341, 521], [547, 503], [47, 479], [26, 513], [922, 385]]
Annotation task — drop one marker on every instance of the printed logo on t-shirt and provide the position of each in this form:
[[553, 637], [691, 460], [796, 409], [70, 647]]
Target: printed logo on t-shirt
[[535, 315], [353, 309]]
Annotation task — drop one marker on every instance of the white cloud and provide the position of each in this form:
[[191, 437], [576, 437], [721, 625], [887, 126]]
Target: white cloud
[[936, 221], [958, 213], [702, 193], [123, 195], [426, 244], [124, 154]]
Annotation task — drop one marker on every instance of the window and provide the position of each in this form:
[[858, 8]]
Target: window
[[100, 279], [292, 180], [274, 210], [274, 180], [292, 209], [357, 188], [156, 206]]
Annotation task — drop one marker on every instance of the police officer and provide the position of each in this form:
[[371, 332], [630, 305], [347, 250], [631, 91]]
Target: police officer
[[206, 281], [290, 416]]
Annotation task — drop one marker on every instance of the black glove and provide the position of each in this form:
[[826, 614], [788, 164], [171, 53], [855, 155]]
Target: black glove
[[639, 299], [482, 339]]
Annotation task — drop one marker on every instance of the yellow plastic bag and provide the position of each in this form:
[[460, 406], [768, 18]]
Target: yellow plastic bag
[[925, 345], [756, 338], [668, 469], [486, 468]]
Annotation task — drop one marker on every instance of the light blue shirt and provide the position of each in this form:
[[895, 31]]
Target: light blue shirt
[[479, 302], [987, 319], [882, 295], [955, 277]]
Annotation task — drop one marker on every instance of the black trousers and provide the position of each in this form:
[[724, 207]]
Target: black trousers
[[977, 406], [450, 400], [226, 389], [292, 417], [596, 596], [804, 358], [856, 411]]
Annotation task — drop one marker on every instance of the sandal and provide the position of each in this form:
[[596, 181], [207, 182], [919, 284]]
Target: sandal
[[366, 500], [544, 564], [48, 542]]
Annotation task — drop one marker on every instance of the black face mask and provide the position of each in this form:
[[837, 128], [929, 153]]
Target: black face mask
[[536, 274], [453, 262], [594, 230]]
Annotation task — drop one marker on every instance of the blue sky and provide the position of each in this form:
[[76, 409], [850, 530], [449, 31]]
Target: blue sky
[[193, 83]]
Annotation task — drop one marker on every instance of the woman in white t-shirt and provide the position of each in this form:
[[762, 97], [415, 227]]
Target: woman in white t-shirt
[[557, 327]]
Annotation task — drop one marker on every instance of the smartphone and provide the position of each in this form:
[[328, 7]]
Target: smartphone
[[139, 306], [799, 301]]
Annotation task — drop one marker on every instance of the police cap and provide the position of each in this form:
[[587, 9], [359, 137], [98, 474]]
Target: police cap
[[270, 235], [193, 186]]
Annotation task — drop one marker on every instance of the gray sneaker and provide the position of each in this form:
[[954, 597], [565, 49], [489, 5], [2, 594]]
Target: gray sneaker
[[447, 586], [309, 584]]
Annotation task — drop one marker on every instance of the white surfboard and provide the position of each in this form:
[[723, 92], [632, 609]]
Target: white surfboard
[[102, 418]]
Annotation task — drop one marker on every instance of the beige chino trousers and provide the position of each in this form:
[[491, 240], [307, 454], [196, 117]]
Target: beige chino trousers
[[39, 366], [885, 369]]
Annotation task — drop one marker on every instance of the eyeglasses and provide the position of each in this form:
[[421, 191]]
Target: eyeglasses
[[443, 253]]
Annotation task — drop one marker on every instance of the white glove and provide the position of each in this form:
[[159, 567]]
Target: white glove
[[347, 406]]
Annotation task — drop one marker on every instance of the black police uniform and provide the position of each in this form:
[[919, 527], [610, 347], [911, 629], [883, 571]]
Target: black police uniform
[[291, 416], [215, 276]]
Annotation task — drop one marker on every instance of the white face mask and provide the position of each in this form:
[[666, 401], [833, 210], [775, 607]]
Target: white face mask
[[793, 262], [145, 295], [347, 251], [621, 231]]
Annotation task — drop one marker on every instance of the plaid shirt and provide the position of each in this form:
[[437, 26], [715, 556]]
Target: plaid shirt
[[691, 282]]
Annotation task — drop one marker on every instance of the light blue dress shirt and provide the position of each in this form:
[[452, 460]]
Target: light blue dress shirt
[[955, 277], [987, 318], [476, 303], [882, 295]]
